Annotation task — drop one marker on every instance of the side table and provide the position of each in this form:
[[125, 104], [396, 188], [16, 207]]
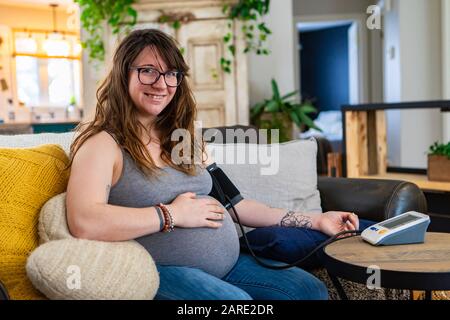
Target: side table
[[424, 266]]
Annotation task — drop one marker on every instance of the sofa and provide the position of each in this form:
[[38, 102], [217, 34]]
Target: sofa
[[371, 199], [374, 200]]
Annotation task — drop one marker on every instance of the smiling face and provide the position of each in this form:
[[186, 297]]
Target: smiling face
[[150, 100]]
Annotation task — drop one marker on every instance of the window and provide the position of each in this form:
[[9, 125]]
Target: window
[[47, 69]]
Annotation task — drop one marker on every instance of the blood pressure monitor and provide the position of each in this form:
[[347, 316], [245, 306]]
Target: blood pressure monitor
[[409, 227]]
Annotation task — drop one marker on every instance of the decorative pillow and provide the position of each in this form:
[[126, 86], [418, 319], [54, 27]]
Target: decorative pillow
[[108, 263], [279, 175], [83, 269], [52, 220], [28, 178]]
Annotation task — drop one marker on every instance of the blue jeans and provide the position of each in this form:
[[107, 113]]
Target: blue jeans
[[289, 244], [246, 281]]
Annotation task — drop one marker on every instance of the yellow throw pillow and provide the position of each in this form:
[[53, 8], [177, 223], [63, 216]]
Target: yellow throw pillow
[[28, 179]]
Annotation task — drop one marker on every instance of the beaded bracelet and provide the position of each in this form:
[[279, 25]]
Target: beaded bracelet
[[168, 219]]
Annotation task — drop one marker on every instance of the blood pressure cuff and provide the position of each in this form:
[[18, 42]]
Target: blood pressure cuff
[[223, 189]]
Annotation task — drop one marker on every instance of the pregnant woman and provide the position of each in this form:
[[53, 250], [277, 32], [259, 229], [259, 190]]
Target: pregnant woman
[[124, 184]]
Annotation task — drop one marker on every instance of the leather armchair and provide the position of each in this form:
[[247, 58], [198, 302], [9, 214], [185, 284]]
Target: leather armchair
[[371, 199]]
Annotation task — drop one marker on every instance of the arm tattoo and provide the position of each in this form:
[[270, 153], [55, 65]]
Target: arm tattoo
[[295, 220], [108, 187]]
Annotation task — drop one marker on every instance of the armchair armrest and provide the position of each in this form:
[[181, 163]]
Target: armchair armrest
[[3, 292], [371, 199]]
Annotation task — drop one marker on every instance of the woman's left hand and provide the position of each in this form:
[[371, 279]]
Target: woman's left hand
[[333, 222]]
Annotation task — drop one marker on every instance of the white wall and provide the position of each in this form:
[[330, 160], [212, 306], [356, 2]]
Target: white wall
[[280, 63], [446, 66], [413, 64], [420, 28], [421, 77], [391, 48], [392, 82]]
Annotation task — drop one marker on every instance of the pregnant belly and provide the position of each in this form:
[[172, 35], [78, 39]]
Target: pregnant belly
[[212, 250]]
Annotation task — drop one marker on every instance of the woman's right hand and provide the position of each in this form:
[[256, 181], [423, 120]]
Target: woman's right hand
[[191, 212]]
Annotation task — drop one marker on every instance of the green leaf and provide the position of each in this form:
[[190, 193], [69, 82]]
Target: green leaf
[[295, 118], [290, 94], [257, 110], [225, 8], [133, 14], [258, 106], [163, 19], [272, 106], [306, 108], [232, 49], [262, 27], [440, 149], [176, 25], [227, 37], [307, 121], [275, 91]]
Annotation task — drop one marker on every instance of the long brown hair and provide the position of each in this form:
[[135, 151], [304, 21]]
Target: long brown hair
[[116, 113]]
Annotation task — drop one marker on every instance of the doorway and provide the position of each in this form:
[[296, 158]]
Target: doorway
[[329, 72], [328, 55]]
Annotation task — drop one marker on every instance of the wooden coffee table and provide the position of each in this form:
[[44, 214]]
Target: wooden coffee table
[[423, 266]]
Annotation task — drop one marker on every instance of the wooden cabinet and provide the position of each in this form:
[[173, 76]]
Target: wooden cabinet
[[222, 98]]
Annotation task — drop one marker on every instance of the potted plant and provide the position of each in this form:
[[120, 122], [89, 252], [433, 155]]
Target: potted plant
[[280, 112], [439, 162]]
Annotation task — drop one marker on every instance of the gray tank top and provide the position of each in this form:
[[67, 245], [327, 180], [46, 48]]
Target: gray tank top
[[212, 250]]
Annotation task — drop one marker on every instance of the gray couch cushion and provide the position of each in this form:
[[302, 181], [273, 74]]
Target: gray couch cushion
[[280, 175]]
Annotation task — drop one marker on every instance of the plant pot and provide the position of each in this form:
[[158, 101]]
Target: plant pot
[[280, 121], [438, 168]]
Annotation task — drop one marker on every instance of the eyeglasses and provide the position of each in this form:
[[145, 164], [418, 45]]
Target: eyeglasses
[[148, 76]]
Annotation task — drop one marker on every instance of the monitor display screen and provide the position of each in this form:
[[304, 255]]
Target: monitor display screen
[[399, 222]]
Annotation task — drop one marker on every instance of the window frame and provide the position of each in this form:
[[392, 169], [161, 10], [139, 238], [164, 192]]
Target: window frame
[[42, 72]]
